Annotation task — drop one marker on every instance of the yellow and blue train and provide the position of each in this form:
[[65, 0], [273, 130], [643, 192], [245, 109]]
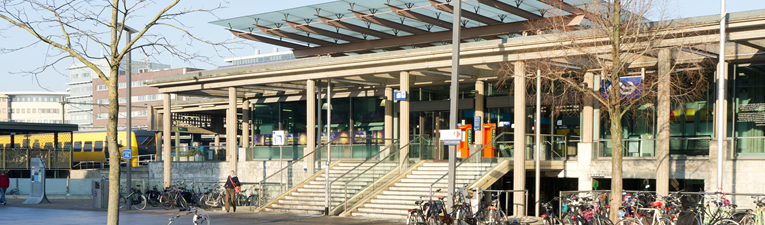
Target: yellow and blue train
[[85, 145]]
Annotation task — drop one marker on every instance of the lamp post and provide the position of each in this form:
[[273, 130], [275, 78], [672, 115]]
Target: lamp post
[[453, 98], [128, 113], [721, 97]]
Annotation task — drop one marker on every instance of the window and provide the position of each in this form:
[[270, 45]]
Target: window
[[102, 115], [77, 146], [121, 85], [84, 75], [99, 146], [87, 146], [101, 87], [75, 76]]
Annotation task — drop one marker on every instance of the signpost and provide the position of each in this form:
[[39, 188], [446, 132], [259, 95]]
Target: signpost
[[127, 154], [399, 96], [451, 137], [279, 138]]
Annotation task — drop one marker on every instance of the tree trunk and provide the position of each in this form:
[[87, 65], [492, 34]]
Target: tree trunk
[[112, 217], [615, 113], [616, 163]]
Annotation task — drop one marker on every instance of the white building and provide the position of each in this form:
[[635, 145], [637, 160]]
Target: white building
[[81, 88], [33, 107]]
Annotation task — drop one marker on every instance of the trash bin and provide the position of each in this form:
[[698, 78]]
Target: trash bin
[[101, 194]]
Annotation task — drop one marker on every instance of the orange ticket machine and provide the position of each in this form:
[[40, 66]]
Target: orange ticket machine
[[489, 133], [463, 150]]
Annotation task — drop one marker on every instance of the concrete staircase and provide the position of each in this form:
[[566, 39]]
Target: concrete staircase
[[395, 200], [308, 197]]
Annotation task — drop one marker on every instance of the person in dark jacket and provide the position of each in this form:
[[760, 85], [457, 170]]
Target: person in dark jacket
[[231, 183], [4, 183]]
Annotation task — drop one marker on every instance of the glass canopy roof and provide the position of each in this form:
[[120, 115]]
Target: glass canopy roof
[[341, 11]]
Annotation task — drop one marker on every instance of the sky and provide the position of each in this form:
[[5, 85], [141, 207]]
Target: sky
[[13, 65]]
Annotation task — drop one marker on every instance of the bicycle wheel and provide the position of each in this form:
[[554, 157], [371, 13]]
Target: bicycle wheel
[[460, 216], [602, 220], [153, 202], [725, 222], [413, 218], [140, 202], [747, 220], [166, 201], [182, 203], [123, 201], [434, 219], [665, 221], [253, 200], [629, 221], [202, 219]]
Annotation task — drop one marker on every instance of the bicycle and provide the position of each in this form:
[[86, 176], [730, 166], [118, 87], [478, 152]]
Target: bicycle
[[14, 191], [427, 212], [756, 216], [549, 217], [462, 212], [136, 198], [197, 219]]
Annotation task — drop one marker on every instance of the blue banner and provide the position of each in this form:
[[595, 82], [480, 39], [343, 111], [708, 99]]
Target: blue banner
[[630, 87]]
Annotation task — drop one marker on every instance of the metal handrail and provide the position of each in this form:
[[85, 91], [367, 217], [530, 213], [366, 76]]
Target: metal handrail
[[301, 158], [345, 200], [371, 157], [469, 157]]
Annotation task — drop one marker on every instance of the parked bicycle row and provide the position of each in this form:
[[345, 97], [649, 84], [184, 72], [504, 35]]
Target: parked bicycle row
[[184, 195], [646, 208], [469, 208], [638, 208]]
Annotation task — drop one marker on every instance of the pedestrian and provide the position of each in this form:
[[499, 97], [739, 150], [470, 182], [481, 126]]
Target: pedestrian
[[4, 183], [232, 187]]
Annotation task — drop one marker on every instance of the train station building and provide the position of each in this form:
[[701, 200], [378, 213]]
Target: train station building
[[385, 69]]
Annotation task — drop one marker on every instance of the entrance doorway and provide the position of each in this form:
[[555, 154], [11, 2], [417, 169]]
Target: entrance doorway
[[430, 122]]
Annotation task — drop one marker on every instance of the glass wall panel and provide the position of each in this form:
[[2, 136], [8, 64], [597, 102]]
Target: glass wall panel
[[750, 110]]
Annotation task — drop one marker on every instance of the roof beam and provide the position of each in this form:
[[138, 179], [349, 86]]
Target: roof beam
[[434, 37], [366, 83], [353, 27], [752, 44], [563, 6], [511, 9], [319, 31], [266, 40], [297, 37], [446, 7], [417, 16], [388, 23]]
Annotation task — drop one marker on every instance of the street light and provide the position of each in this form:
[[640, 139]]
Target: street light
[[128, 125]]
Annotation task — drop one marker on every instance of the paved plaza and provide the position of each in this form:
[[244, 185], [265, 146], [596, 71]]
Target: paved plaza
[[81, 212]]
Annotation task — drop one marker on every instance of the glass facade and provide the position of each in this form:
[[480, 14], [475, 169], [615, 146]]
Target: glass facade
[[749, 110]]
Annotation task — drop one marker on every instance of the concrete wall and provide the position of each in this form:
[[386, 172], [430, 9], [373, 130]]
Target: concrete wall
[[56, 187], [249, 171]]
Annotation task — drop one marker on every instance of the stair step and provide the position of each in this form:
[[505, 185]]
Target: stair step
[[391, 206], [301, 211], [378, 215], [402, 212]]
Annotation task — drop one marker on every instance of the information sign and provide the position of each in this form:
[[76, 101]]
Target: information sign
[[399, 95], [126, 154], [278, 137]]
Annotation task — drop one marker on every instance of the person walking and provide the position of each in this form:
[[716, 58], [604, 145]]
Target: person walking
[[4, 183], [232, 187]]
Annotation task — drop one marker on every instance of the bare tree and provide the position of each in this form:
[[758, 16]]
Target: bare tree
[[93, 30], [619, 44]]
